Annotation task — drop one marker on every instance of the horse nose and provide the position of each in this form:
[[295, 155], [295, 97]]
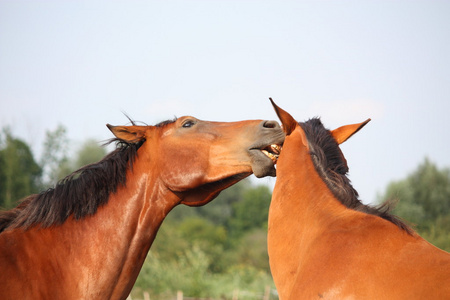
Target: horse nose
[[271, 124]]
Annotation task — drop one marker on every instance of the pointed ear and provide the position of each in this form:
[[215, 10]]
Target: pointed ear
[[289, 123], [130, 134], [343, 133]]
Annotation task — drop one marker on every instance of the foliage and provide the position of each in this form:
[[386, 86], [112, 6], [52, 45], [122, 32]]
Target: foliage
[[424, 200], [252, 211], [54, 159], [252, 250], [19, 173], [189, 273], [89, 152], [218, 211]]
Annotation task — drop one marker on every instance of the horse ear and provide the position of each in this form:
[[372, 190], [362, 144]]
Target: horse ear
[[343, 133], [289, 123], [130, 134]]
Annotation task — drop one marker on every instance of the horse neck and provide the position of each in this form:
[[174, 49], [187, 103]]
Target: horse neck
[[140, 209], [300, 192], [302, 207], [117, 238], [302, 198]]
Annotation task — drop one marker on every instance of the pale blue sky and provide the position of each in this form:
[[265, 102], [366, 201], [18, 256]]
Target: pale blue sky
[[82, 63]]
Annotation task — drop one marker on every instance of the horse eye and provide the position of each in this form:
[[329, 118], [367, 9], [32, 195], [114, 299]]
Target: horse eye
[[188, 123]]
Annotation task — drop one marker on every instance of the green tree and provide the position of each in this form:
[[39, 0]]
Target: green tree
[[54, 160], [19, 173], [251, 211], [424, 200], [221, 209], [217, 211], [90, 152], [251, 250], [210, 238]]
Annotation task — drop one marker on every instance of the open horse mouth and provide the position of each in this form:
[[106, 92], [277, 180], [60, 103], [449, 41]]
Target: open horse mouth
[[264, 158], [273, 152]]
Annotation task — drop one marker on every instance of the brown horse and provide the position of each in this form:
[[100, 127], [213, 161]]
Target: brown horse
[[87, 238], [323, 243]]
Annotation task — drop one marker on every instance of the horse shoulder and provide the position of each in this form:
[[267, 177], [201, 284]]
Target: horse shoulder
[[365, 256], [394, 259], [12, 267]]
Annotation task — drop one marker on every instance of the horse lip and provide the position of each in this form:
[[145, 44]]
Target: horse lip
[[272, 147], [263, 164]]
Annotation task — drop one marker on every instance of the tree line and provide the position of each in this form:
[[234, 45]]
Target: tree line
[[22, 174], [423, 200], [217, 249]]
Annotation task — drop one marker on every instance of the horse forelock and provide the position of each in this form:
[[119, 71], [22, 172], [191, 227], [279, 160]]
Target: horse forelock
[[332, 167], [79, 194]]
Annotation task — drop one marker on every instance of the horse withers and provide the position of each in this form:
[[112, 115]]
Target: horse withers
[[323, 243], [88, 237]]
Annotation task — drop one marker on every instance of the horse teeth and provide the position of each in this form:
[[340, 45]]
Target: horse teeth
[[275, 148], [273, 157]]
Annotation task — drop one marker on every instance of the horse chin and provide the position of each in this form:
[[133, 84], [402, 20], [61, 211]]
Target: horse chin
[[262, 165], [265, 170]]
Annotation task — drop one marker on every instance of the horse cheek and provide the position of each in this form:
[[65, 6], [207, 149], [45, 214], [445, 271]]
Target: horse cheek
[[183, 171]]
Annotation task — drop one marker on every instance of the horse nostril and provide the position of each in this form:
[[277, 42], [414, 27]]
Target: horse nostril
[[271, 124]]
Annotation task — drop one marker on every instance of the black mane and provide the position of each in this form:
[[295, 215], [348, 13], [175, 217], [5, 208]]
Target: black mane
[[80, 194], [331, 165]]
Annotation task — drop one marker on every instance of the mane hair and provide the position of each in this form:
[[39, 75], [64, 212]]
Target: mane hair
[[331, 165], [79, 194]]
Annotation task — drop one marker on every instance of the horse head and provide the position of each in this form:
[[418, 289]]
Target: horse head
[[197, 159]]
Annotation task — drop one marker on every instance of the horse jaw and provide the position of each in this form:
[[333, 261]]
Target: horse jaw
[[209, 191]]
